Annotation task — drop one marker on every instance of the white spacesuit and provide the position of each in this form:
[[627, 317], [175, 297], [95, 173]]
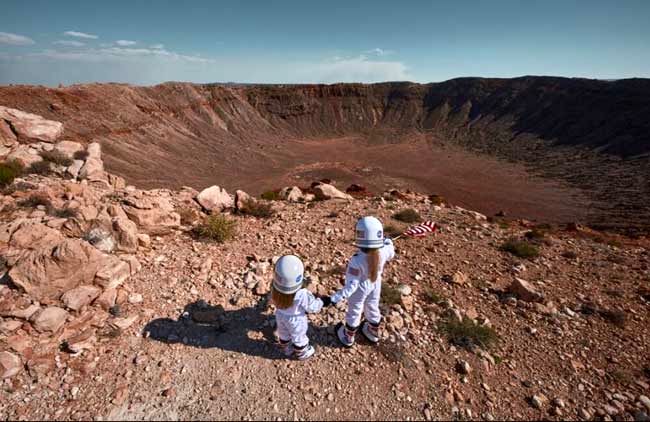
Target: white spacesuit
[[363, 293], [292, 321]]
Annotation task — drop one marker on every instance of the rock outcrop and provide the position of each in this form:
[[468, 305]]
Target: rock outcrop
[[29, 127]]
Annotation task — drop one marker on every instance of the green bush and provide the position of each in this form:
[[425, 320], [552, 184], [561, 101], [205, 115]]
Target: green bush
[[57, 158], [40, 167], [259, 209], [9, 170], [81, 155], [217, 228], [271, 195], [408, 215], [520, 248], [467, 334]]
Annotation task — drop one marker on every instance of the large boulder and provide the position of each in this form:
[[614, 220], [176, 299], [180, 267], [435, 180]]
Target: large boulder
[[153, 215], [25, 154], [31, 126], [93, 170], [51, 265], [34, 236], [291, 194], [523, 290], [214, 198], [95, 150], [74, 168], [324, 191], [125, 233], [49, 319], [241, 198]]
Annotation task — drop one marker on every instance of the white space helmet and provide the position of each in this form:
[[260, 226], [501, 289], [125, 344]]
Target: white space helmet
[[370, 233], [288, 274]]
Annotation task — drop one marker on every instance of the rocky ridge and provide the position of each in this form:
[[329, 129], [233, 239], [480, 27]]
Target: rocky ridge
[[112, 309]]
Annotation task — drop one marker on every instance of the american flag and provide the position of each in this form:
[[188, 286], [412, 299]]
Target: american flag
[[421, 229]]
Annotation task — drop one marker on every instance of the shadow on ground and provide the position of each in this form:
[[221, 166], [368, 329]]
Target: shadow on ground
[[245, 330]]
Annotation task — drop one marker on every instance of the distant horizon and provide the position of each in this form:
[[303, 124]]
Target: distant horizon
[[149, 42], [316, 83]]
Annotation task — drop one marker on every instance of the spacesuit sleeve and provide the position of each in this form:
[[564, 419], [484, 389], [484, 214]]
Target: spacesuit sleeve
[[312, 304], [352, 280], [388, 251]]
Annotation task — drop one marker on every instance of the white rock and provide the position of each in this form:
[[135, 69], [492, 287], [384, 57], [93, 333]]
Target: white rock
[[10, 365], [214, 198], [49, 320]]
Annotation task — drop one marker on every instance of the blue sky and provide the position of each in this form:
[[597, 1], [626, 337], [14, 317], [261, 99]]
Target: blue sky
[[147, 42]]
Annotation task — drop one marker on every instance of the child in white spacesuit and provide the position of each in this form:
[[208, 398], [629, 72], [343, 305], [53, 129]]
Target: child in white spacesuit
[[293, 303], [363, 282]]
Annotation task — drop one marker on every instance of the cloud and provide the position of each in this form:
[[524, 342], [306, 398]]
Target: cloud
[[355, 69], [80, 35], [157, 46], [69, 43], [379, 52], [15, 39], [117, 54], [125, 43]]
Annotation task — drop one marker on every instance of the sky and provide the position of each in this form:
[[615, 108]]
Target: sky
[[146, 42]]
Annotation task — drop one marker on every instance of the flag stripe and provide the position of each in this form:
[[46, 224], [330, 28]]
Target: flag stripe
[[421, 230]]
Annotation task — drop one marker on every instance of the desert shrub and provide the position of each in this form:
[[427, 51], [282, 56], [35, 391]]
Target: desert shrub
[[437, 199], [520, 248], [467, 334], [40, 167], [35, 200], [217, 228], [408, 215], [271, 195], [570, 255], [614, 317], [535, 234], [80, 155], [62, 212], [392, 231], [259, 209], [432, 296], [9, 170], [615, 243], [333, 214], [56, 157], [621, 376], [390, 295]]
